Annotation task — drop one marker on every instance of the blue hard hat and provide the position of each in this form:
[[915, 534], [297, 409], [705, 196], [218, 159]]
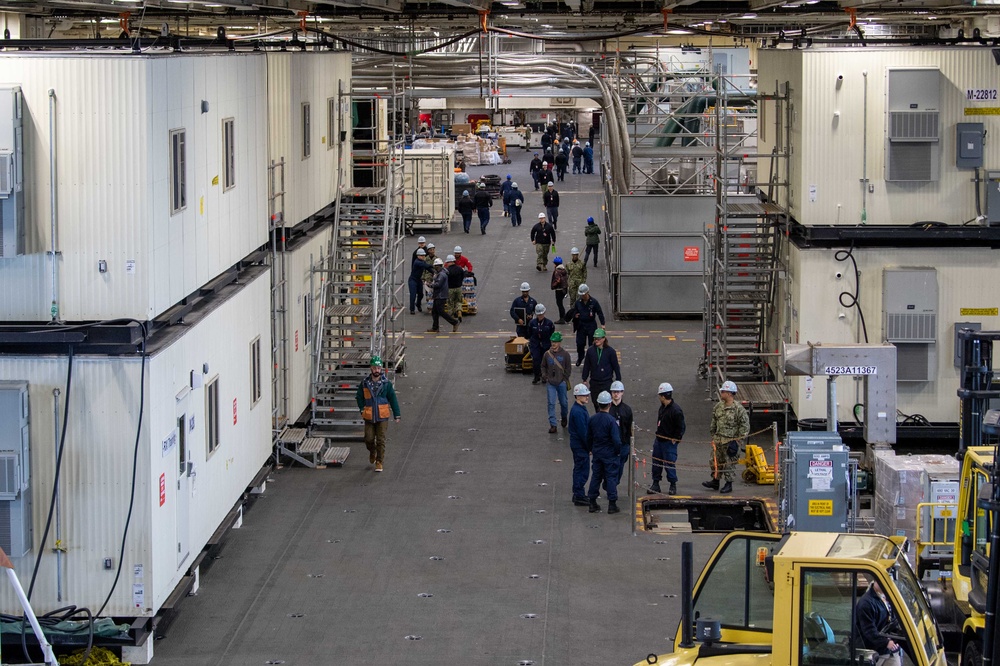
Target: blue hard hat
[[508, 176], [589, 220], [557, 260]]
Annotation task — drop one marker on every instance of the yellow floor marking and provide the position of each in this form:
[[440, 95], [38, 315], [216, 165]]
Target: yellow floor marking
[[687, 340], [642, 336], [468, 337], [656, 331]]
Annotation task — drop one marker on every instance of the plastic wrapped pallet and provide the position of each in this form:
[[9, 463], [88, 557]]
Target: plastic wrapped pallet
[[903, 482]]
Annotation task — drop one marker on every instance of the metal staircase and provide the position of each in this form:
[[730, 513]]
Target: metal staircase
[[747, 310], [361, 303]]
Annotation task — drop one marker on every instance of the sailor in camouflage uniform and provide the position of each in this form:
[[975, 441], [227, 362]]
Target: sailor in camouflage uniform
[[730, 424]]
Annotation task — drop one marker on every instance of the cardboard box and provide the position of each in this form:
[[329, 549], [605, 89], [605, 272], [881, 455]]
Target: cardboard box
[[903, 482], [516, 345], [461, 128]]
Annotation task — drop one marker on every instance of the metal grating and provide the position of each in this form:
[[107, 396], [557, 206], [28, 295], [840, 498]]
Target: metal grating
[[905, 327], [9, 485], [336, 455], [913, 125], [910, 161]]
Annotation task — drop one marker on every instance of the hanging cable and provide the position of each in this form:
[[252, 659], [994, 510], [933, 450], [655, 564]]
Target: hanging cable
[[55, 480], [852, 299], [135, 464]]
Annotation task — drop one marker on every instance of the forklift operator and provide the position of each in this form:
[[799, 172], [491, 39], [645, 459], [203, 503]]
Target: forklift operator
[[872, 619]]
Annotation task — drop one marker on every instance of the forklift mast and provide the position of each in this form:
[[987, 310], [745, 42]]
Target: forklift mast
[[975, 391]]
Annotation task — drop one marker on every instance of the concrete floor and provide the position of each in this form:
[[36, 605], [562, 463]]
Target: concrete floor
[[467, 549]]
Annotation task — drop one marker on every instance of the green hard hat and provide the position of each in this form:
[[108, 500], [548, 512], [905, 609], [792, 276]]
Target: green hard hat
[[376, 361], [599, 333], [556, 337]]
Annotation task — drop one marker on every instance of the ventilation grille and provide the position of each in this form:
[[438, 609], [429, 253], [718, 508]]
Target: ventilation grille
[[6, 175], [911, 327], [5, 532], [9, 481], [911, 161], [913, 362], [913, 125]]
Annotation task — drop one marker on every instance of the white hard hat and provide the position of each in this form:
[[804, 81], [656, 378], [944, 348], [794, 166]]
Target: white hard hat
[[438, 262], [421, 252], [665, 387], [430, 245], [617, 386], [583, 289], [541, 216], [729, 387], [604, 398], [551, 184], [513, 185], [575, 250], [481, 186], [525, 286], [421, 240], [539, 309], [450, 258], [458, 249], [581, 389]]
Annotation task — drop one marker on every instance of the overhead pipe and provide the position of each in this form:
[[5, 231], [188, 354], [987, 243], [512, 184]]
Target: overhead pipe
[[58, 518]]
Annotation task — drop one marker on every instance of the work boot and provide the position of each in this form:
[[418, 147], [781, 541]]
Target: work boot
[[613, 506], [563, 422], [672, 490], [581, 501], [371, 458], [431, 330], [594, 506], [552, 430], [728, 488], [536, 380], [454, 327], [654, 487], [378, 467], [712, 485]]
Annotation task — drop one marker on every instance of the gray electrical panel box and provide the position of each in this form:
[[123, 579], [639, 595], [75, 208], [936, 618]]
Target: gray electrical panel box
[[913, 110], [11, 173], [15, 469], [969, 145], [817, 488]]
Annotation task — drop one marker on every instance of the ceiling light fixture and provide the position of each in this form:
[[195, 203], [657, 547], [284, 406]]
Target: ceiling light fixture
[[678, 31], [749, 15]]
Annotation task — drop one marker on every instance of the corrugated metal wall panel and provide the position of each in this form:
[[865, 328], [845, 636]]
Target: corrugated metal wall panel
[[112, 136], [299, 353], [101, 186], [294, 78], [97, 463], [966, 279], [830, 124]]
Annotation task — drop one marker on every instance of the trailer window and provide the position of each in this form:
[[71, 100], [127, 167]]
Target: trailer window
[[255, 388], [178, 170], [306, 130], [212, 415], [228, 154]]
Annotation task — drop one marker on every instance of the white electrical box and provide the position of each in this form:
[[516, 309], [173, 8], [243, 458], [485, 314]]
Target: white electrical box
[[913, 124], [11, 173]]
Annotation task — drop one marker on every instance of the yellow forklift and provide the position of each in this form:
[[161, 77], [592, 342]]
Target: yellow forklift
[[790, 600]]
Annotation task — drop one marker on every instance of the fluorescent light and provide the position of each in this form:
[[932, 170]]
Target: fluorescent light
[[678, 31], [749, 15]]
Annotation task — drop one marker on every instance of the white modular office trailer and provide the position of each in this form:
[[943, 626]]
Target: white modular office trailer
[[309, 114], [882, 138], [206, 431], [304, 311], [159, 182]]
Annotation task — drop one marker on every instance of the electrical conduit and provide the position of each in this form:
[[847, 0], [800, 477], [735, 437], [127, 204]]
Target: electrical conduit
[[53, 252]]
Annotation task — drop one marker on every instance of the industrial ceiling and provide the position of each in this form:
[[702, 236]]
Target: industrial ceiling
[[402, 21]]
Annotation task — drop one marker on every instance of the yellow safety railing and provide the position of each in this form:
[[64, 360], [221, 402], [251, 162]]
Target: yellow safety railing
[[942, 517]]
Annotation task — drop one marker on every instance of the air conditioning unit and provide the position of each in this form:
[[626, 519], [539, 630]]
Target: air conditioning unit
[[15, 469], [910, 320], [562, 101], [913, 110], [11, 173]]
